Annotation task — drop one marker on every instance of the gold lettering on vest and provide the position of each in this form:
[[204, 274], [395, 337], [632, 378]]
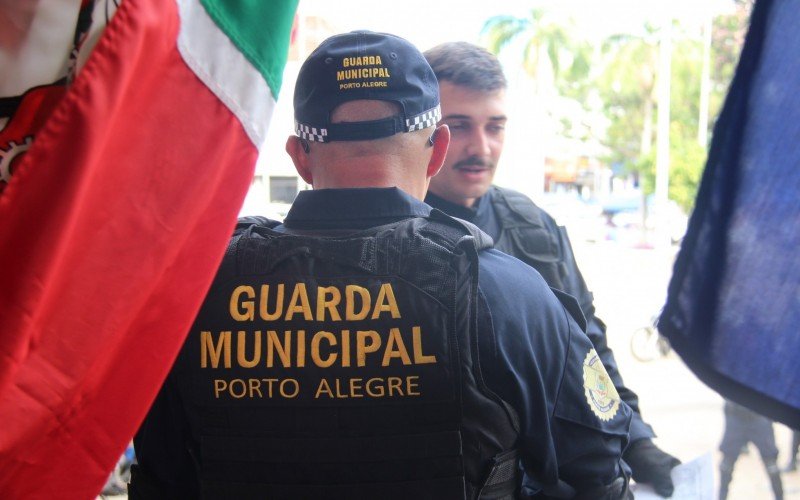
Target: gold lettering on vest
[[219, 386], [323, 388], [394, 384], [215, 352], [328, 297], [412, 385], [284, 349], [301, 348], [263, 311], [345, 348], [288, 348], [295, 390], [363, 348], [237, 388], [271, 304], [253, 387], [241, 349], [375, 388], [337, 383], [299, 303], [386, 302], [355, 388], [419, 357], [315, 355], [395, 348], [242, 310], [350, 302]]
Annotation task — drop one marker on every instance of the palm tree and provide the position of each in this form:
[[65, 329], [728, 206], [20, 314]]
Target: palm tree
[[632, 86], [548, 52]]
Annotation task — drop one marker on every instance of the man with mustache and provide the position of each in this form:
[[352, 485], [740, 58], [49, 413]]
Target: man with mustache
[[472, 90]]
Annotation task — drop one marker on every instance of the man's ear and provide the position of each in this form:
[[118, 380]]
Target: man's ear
[[298, 152], [440, 141]]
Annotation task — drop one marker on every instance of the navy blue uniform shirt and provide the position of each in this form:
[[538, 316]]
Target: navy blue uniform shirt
[[573, 427]]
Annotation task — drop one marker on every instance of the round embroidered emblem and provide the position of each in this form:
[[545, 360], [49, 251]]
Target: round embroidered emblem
[[600, 392]]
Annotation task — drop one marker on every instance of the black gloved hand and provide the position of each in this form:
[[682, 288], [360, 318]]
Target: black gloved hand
[[651, 465]]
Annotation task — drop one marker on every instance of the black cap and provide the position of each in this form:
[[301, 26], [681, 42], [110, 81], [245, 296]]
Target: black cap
[[364, 65]]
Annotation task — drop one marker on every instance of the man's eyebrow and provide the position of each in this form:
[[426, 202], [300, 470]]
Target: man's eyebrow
[[468, 117], [456, 117]]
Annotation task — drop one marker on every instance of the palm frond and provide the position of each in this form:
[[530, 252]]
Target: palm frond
[[499, 31]]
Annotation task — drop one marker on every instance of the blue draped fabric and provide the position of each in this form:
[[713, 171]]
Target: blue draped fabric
[[733, 307]]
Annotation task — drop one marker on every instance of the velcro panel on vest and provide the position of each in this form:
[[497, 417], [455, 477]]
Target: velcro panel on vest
[[422, 458], [320, 450], [433, 489]]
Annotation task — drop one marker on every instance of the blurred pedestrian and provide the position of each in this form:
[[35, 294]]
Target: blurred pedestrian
[[744, 426], [792, 466]]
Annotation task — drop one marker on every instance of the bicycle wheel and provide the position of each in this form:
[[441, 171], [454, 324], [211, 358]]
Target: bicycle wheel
[[664, 347], [644, 344]]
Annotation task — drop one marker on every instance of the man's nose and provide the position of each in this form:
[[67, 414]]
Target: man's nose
[[479, 144]]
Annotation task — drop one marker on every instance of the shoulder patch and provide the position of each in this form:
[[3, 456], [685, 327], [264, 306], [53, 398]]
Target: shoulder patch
[[600, 392]]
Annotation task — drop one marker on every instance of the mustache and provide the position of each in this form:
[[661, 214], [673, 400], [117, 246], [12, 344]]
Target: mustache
[[473, 161]]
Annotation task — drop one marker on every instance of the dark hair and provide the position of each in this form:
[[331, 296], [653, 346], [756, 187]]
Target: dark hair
[[467, 65]]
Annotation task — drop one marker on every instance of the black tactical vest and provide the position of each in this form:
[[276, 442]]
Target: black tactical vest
[[346, 367], [525, 235]]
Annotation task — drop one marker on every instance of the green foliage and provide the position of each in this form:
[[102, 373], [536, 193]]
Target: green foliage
[[628, 89], [499, 31], [545, 40], [645, 167], [625, 78], [687, 61], [687, 160], [628, 94], [727, 39]]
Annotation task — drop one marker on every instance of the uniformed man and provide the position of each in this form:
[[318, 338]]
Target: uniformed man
[[369, 347], [472, 86]]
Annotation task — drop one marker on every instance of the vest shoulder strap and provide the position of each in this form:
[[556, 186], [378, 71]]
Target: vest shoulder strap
[[518, 205], [529, 234], [481, 239], [255, 220], [570, 303], [244, 226]]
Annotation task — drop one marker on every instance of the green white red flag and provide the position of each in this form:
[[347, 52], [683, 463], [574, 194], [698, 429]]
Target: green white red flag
[[114, 220]]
